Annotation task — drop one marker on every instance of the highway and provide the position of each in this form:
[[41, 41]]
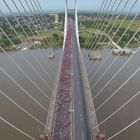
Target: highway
[[70, 120], [81, 128], [62, 116]]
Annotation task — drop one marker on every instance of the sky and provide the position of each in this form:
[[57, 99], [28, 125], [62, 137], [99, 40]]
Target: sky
[[88, 5], [82, 4], [58, 4]]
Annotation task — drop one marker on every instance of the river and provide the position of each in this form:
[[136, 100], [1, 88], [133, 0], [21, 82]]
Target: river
[[103, 89], [40, 75], [21, 120]]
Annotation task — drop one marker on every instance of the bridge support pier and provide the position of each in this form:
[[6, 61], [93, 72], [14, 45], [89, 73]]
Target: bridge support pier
[[44, 137]]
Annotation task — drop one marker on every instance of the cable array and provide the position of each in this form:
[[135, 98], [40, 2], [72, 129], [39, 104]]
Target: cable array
[[36, 24], [105, 22], [107, 14]]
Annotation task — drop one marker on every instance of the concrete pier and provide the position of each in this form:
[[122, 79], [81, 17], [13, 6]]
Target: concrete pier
[[95, 55]]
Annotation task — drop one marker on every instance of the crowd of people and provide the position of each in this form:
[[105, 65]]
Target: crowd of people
[[62, 117]]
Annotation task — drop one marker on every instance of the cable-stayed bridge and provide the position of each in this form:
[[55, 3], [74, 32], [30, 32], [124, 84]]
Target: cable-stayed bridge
[[70, 90]]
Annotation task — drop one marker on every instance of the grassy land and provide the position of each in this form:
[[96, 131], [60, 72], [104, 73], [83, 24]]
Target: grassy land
[[42, 36], [135, 25], [97, 33], [97, 36], [37, 37]]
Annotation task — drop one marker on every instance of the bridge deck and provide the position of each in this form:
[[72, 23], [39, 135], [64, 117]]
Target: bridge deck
[[62, 116], [81, 120], [71, 117]]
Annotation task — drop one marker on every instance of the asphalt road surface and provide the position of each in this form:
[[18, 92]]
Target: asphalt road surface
[[81, 128]]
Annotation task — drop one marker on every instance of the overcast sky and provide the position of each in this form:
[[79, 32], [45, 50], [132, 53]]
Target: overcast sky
[[93, 5]]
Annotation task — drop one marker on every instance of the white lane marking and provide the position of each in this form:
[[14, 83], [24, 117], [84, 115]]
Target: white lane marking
[[81, 117], [82, 136]]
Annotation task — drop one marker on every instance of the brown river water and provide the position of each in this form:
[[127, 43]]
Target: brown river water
[[21, 120], [128, 113]]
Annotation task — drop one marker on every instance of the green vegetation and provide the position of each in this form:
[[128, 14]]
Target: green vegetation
[[135, 25], [57, 37], [90, 23], [98, 35], [5, 43], [30, 32]]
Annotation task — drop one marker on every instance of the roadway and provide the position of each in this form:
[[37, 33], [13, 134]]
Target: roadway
[[81, 127], [71, 86], [62, 116]]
